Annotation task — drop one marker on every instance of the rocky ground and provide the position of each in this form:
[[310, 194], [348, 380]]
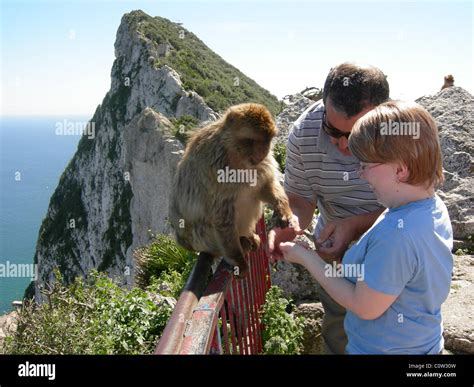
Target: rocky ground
[[458, 311], [8, 325]]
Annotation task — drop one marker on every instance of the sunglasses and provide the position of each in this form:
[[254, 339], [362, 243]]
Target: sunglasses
[[332, 131]]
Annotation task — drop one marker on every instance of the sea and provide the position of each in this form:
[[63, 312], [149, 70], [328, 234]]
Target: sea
[[34, 152]]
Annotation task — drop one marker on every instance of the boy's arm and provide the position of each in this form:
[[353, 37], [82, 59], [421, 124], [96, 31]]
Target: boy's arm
[[365, 302]]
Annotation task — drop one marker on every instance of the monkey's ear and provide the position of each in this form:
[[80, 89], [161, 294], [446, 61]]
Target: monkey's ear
[[232, 117]]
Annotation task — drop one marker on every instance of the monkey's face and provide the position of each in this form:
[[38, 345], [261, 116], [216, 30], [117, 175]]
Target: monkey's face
[[249, 129], [253, 148]]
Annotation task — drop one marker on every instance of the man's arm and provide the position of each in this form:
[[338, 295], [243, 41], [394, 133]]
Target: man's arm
[[342, 232], [302, 208]]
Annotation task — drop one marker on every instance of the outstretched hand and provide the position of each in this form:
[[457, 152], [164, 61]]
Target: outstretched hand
[[294, 252], [278, 235]]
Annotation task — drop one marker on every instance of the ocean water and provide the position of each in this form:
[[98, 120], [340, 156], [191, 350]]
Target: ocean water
[[32, 158]]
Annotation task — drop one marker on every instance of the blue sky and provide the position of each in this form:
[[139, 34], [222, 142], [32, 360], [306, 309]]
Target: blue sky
[[56, 56]]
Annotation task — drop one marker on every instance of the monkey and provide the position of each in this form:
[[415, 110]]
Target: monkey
[[448, 81], [226, 174]]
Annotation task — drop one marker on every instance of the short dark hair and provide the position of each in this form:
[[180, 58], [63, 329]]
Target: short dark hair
[[352, 88]]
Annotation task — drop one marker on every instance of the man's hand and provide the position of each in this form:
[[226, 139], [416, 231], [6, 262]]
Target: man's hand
[[278, 235], [334, 239]]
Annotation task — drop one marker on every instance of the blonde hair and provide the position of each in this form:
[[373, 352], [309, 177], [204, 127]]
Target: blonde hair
[[400, 132]]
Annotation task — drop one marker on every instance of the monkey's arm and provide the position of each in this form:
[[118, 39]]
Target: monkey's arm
[[274, 194]]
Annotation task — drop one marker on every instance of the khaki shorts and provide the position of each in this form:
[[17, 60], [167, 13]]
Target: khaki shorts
[[334, 336]]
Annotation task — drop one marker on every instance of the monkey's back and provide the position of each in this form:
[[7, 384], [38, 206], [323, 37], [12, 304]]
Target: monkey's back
[[197, 197]]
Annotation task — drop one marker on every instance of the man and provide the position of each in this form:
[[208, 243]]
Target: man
[[321, 173]]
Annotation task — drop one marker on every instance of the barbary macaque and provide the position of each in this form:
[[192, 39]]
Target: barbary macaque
[[225, 176], [448, 81]]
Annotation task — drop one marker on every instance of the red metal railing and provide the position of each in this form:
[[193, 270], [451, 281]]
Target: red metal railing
[[224, 318]]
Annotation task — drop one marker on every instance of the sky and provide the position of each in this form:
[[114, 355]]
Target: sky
[[56, 56]]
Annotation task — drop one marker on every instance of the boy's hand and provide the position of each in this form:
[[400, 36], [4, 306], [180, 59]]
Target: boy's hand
[[294, 252]]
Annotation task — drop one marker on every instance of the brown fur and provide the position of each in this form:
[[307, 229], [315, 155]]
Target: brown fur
[[219, 218], [448, 81]]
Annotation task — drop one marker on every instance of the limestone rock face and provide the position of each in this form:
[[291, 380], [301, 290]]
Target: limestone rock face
[[114, 193], [453, 111], [458, 310], [8, 327], [312, 314], [295, 105], [115, 190]]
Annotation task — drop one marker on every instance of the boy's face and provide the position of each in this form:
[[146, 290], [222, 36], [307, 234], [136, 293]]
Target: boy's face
[[382, 178], [339, 120]]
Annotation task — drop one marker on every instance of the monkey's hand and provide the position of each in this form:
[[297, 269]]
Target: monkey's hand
[[283, 219], [250, 243]]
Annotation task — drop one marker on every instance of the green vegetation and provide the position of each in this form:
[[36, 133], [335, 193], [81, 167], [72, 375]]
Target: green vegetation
[[92, 316], [67, 203], [279, 152], [119, 231], [219, 83], [96, 316], [283, 333], [183, 127], [165, 265]]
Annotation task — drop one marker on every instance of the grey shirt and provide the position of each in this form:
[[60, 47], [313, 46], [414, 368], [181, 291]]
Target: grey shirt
[[317, 171]]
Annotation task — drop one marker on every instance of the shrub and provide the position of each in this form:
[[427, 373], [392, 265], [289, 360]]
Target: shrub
[[283, 332], [92, 316], [183, 127], [279, 152], [164, 265]]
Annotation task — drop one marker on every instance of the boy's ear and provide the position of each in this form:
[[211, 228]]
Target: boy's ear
[[402, 172]]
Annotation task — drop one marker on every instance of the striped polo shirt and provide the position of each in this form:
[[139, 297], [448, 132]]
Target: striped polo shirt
[[317, 171]]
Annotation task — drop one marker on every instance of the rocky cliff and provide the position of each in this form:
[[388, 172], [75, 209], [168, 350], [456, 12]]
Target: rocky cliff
[[114, 191], [453, 111]]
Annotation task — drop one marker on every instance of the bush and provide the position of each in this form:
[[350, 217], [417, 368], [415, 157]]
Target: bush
[[92, 316], [279, 152], [183, 127], [97, 316], [283, 332], [164, 265]]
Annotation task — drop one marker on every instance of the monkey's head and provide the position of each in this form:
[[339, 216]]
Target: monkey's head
[[248, 130], [449, 78]]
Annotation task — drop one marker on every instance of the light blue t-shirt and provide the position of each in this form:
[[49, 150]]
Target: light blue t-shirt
[[407, 252]]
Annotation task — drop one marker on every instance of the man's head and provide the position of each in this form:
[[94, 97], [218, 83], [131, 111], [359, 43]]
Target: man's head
[[349, 92]]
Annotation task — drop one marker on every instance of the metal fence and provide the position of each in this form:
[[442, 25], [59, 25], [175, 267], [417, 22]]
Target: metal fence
[[224, 316]]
